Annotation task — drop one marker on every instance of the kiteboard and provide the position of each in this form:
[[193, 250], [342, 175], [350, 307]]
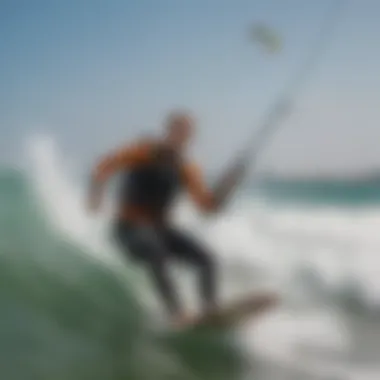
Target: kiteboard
[[235, 312]]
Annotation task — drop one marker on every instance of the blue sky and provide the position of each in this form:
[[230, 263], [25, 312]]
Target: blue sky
[[95, 73]]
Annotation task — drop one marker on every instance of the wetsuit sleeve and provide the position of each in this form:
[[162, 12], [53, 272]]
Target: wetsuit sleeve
[[197, 189], [122, 158]]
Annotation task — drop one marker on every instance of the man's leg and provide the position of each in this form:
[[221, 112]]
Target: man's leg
[[186, 248], [145, 245]]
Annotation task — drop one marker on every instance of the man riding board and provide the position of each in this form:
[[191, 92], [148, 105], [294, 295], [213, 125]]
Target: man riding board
[[154, 172]]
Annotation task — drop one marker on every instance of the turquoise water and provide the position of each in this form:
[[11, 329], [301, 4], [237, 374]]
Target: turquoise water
[[65, 315], [335, 193]]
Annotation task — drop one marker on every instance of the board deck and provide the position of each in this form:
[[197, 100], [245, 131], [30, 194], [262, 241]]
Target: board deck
[[235, 312]]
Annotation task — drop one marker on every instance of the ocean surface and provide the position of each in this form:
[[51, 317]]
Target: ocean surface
[[71, 307]]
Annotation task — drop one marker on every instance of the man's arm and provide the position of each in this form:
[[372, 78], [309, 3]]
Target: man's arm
[[199, 193], [212, 200], [228, 182], [109, 165]]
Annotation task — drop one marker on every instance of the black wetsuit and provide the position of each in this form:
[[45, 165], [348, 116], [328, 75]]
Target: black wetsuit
[[153, 186]]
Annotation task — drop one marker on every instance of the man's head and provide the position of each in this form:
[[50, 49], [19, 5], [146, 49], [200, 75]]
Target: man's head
[[179, 129]]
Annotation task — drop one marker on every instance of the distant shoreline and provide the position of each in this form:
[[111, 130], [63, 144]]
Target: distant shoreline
[[373, 177]]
